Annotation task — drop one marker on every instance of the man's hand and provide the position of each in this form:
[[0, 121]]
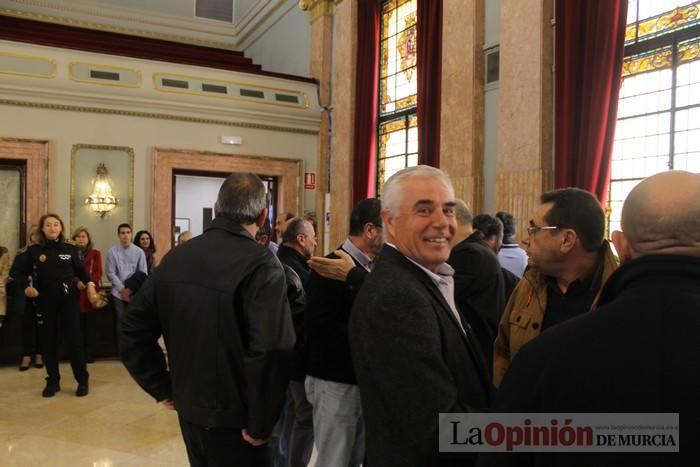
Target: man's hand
[[31, 292], [80, 285], [252, 441], [126, 294], [168, 404], [336, 269]]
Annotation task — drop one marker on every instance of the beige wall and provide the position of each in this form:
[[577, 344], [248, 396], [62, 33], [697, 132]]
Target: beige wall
[[67, 112]]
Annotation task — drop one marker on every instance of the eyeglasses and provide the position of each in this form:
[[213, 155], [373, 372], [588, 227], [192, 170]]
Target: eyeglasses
[[534, 228]]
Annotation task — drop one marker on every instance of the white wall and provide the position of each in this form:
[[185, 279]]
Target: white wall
[[284, 44], [192, 194]]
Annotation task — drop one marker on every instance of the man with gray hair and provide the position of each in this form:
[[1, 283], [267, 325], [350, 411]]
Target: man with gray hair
[[413, 355], [220, 302], [638, 352]]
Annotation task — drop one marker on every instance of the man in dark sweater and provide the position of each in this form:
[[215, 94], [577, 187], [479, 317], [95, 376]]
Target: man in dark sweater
[[331, 385]]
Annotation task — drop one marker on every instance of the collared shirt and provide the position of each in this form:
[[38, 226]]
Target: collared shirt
[[577, 300], [358, 255], [122, 263], [444, 281]]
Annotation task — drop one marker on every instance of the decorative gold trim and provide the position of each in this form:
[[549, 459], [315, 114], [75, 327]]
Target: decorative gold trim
[[74, 150], [33, 75], [317, 8], [128, 113], [158, 87], [72, 77], [118, 29]]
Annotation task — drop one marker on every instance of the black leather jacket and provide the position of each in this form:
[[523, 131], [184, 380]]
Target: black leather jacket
[[220, 301]]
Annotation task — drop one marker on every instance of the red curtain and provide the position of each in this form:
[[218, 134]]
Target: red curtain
[[366, 95], [589, 52], [429, 80]]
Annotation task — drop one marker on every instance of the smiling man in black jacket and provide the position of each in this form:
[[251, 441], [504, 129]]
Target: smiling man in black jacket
[[220, 302]]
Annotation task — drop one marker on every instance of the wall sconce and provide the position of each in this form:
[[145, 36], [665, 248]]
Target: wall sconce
[[101, 201]]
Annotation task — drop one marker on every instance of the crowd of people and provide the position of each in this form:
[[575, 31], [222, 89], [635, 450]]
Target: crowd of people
[[53, 279], [425, 308]]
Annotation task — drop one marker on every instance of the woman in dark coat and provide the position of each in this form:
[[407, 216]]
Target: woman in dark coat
[[144, 240], [55, 264], [25, 307], [92, 261]]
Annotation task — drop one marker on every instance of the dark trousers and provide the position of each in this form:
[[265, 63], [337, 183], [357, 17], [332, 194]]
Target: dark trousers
[[52, 308], [220, 447], [88, 326], [31, 343]]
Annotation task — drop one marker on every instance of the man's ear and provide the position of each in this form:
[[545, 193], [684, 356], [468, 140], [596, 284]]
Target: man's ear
[[623, 246], [569, 240], [260, 221], [388, 224]]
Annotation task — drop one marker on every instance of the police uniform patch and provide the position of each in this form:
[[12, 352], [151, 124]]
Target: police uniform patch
[[42, 258]]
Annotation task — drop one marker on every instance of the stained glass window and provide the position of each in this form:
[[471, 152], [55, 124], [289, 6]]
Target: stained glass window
[[398, 89], [658, 115]]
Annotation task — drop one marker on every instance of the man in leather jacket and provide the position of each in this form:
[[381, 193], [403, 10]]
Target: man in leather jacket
[[220, 301]]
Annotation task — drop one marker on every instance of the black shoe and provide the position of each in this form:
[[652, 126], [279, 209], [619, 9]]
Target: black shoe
[[52, 387], [82, 389], [89, 357]]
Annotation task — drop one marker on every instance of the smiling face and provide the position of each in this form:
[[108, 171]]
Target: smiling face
[[144, 240], [51, 228], [425, 227]]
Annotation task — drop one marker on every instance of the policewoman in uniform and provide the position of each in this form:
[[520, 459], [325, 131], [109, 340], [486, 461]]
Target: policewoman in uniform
[[54, 264]]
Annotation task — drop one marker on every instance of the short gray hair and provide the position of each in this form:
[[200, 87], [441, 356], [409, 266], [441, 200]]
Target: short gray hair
[[296, 226], [391, 192], [242, 197], [462, 213]]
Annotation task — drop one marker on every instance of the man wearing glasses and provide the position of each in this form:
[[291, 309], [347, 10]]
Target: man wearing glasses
[[569, 262]]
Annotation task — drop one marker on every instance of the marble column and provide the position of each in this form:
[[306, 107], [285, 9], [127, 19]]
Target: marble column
[[462, 100], [526, 111], [333, 46], [343, 126]]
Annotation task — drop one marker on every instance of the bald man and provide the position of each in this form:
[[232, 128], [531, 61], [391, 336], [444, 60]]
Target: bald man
[[639, 350]]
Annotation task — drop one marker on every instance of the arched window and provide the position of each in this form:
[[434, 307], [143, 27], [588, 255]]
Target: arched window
[[658, 117], [397, 137]]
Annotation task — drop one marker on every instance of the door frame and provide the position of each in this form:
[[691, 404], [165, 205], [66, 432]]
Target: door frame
[[166, 161]]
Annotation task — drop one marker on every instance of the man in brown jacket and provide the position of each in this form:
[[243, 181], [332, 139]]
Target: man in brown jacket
[[569, 262]]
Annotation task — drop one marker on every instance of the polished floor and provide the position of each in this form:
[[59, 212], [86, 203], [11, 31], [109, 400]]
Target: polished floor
[[117, 424]]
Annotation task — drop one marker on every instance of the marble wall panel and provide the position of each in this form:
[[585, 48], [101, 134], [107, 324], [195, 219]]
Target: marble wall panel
[[11, 212]]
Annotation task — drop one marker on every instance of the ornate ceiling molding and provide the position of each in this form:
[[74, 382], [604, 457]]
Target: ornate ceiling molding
[[317, 8]]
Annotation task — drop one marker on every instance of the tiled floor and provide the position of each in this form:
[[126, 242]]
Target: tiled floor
[[117, 424]]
